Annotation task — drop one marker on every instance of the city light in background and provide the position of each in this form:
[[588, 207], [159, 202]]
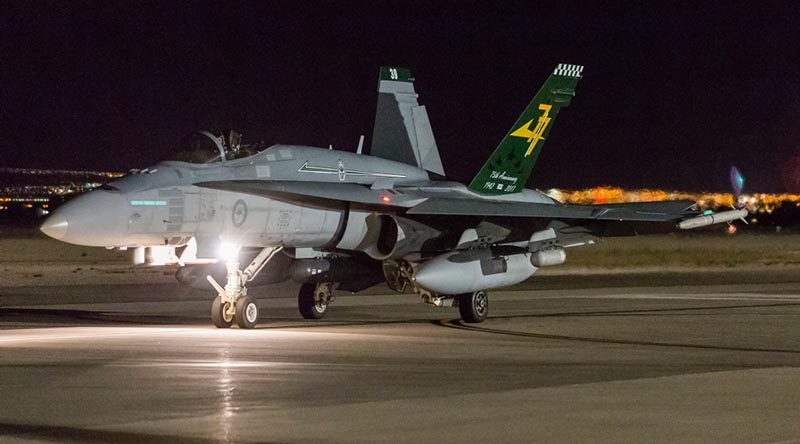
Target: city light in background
[[755, 203], [38, 187], [30, 185]]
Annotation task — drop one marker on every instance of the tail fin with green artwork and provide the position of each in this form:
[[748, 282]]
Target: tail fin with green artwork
[[511, 164]]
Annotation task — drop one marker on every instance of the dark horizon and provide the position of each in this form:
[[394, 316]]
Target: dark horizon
[[672, 96]]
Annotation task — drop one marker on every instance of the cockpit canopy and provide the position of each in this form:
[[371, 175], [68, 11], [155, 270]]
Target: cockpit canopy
[[205, 147], [199, 147]]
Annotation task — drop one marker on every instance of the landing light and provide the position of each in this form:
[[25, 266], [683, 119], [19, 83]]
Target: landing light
[[386, 199], [228, 252]]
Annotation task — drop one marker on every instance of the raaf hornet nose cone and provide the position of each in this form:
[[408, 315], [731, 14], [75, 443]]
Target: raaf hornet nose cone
[[96, 219], [55, 226]]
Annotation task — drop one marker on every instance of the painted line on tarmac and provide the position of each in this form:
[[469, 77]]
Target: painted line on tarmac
[[645, 311], [52, 335], [457, 324], [59, 334], [667, 296], [49, 432], [700, 297]]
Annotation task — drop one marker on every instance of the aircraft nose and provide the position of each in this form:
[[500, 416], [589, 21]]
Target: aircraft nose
[[55, 226], [95, 219]]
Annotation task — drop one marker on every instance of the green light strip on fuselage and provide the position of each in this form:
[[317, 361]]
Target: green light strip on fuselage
[[149, 203]]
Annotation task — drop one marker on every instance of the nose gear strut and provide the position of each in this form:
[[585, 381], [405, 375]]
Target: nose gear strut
[[232, 301]]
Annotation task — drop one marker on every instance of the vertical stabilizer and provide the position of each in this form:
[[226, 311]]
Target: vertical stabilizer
[[511, 163], [402, 130]]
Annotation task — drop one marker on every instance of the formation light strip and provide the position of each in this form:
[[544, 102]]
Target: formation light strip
[[148, 203]]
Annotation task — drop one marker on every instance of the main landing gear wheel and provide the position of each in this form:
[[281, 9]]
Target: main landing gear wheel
[[246, 312], [220, 313], [313, 300], [473, 307]]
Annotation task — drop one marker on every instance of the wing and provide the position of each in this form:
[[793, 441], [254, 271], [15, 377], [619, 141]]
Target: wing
[[414, 202], [665, 211]]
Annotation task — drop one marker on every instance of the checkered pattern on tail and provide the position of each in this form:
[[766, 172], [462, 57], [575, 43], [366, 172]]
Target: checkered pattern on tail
[[567, 70]]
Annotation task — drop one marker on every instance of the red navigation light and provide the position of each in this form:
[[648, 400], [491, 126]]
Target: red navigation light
[[386, 199]]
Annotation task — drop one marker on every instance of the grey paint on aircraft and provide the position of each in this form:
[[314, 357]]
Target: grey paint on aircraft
[[384, 206]]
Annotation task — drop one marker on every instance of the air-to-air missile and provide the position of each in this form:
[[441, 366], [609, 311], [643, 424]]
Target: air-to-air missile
[[711, 219]]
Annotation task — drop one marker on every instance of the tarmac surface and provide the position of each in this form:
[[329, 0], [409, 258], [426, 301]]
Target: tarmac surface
[[646, 357]]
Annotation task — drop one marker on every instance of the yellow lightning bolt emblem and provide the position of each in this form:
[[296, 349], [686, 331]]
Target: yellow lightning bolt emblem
[[533, 137]]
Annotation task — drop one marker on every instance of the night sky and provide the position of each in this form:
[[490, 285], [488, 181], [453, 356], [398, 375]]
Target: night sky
[[671, 97]]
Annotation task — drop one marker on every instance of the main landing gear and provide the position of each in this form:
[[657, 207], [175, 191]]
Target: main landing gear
[[232, 302], [313, 299], [473, 307]]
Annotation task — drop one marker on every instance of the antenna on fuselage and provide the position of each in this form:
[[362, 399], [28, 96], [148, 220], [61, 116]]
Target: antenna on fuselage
[[360, 144]]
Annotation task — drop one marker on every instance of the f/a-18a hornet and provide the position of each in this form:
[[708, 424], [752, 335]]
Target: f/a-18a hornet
[[347, 221]]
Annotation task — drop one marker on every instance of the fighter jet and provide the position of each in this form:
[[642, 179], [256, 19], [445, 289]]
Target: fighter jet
[[347, 221]]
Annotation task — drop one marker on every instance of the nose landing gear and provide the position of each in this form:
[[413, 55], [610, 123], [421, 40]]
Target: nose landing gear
[[221, 313], [246, 312], [232, 302]]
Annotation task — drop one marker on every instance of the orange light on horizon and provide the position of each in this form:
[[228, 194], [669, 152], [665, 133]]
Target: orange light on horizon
[[612, 195]]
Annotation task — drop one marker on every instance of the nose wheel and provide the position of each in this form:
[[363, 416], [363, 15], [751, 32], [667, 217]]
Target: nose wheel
[[246, 312], [221, 313]]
